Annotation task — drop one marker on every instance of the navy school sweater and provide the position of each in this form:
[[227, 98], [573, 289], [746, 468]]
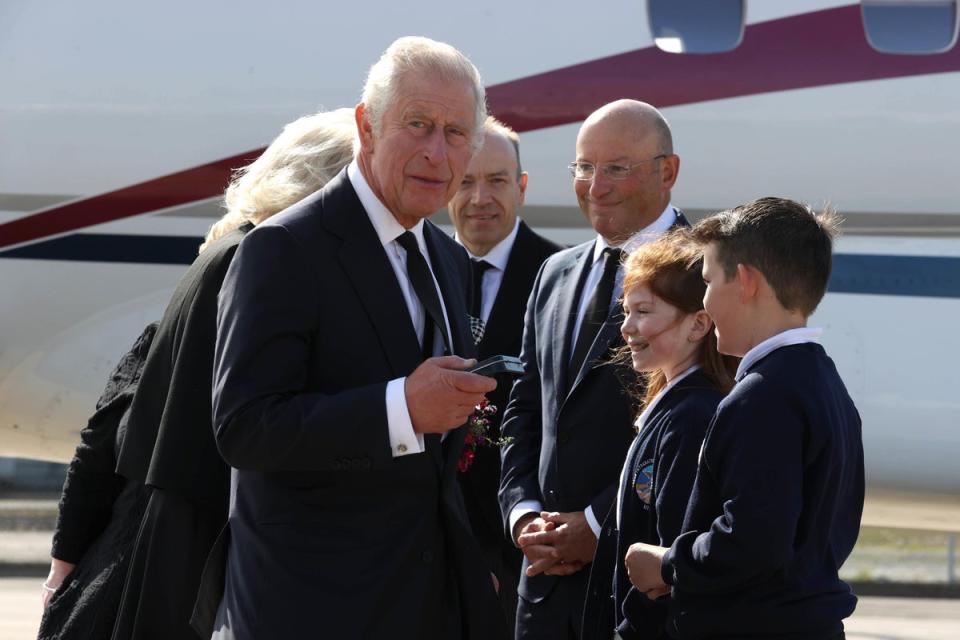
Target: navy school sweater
[[775, 508]]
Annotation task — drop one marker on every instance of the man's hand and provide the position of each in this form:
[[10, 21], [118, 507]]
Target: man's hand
[[571, 538], [441, 395], [643, 566], [541, 557], [59, 570]]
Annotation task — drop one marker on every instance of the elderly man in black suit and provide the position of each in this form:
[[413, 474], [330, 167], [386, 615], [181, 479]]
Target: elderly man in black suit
[[505, 258], [346, 518], [570, 415]]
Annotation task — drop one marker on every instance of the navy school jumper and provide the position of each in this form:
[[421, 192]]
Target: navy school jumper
[[775, 508]]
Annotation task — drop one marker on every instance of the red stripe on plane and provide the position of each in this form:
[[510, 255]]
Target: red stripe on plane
[[177, 189], [809, 50]]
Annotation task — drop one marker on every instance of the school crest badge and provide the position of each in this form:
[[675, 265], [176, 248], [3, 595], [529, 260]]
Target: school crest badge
[[643, 482]]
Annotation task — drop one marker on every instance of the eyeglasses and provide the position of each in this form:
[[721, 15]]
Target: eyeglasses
[[611, 171]]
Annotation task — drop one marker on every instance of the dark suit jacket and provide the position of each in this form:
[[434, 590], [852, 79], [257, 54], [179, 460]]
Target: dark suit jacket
[[330, 534], [569, 443], [502, 336]]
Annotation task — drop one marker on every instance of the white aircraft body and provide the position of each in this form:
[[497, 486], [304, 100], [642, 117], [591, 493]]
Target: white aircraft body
[[119, 123]]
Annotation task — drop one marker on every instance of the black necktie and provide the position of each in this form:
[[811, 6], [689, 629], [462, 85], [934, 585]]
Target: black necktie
[[419, 274], [477, 268], [423, 286], [596, 312]]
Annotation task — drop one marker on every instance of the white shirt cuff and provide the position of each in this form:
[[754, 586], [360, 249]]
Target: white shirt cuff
[[403, 439], [592, 521], [521, 509]]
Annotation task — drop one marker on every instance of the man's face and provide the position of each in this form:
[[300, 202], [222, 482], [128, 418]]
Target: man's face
[[484, 208], [722, 301], [415, 163], [617, 209]]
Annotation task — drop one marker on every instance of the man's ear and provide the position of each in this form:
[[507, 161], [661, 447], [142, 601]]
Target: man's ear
[[523, 186], [364, 128], [702, 325], [749, 279], [669, 170]]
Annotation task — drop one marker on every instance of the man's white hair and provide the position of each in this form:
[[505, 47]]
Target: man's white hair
[[306, 155], [418, 54]]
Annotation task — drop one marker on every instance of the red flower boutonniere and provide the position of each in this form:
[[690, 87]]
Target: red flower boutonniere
[[478, 434]]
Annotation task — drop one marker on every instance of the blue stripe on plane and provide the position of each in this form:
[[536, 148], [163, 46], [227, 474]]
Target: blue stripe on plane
[[923, 276], [93, 247]]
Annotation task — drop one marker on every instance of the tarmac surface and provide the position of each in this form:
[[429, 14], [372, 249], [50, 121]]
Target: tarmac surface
[[876, 618]]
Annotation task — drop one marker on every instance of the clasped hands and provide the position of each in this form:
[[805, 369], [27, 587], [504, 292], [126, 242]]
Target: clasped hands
[[556, 544]]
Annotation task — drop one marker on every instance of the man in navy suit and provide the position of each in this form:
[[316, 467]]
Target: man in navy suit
[[506, 256], [346, 519], [571, 414]]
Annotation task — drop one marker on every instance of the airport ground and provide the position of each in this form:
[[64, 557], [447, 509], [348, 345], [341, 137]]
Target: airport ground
[[887, 566], [876, 618]]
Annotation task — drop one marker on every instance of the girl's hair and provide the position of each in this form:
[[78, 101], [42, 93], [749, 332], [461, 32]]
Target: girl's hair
[[671, 268], [303, 158]]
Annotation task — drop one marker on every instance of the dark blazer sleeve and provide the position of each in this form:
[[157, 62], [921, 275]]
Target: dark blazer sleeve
[[91, 485], [523, 424], [268, 313], [753, 457]]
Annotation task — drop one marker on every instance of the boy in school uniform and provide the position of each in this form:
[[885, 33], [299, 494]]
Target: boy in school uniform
[[776, 504]]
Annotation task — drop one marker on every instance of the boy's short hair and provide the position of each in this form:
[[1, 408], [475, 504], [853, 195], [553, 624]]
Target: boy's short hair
[[785, 240]]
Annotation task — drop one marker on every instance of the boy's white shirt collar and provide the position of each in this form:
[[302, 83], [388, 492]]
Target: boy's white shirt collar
[[786, 338], [384, 223], [651, 232]]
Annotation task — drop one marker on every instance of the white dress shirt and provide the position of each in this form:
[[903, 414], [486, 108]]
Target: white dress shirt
[[651, 232], [786, 338], [403, 439], [497, 258]]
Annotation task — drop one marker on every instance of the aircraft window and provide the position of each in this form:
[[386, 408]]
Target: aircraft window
[[910, 26], [696, 26]]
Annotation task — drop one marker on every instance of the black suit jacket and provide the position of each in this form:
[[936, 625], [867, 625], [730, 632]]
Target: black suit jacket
[[569, 442], [330, 534], [502, 336]]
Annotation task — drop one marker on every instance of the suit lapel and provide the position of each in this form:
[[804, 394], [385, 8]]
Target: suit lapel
[[366, 265], [569, 286], [511, 300], [444, 268], [609, 332]]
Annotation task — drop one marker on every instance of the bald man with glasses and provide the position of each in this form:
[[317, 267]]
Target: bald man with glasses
[[571, 420]]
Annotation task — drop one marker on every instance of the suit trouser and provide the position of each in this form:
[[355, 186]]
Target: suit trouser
[[559, 615]]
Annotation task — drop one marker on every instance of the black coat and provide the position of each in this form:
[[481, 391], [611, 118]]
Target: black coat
[[169, 442], [99, 514], [502, 336], [169, 446], [330, 534]]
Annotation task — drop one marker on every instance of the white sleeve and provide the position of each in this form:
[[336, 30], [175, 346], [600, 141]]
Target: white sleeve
[[592, 521], [403, 439]]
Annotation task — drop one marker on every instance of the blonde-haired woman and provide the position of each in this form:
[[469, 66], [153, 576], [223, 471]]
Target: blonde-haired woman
[[168, 442]]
